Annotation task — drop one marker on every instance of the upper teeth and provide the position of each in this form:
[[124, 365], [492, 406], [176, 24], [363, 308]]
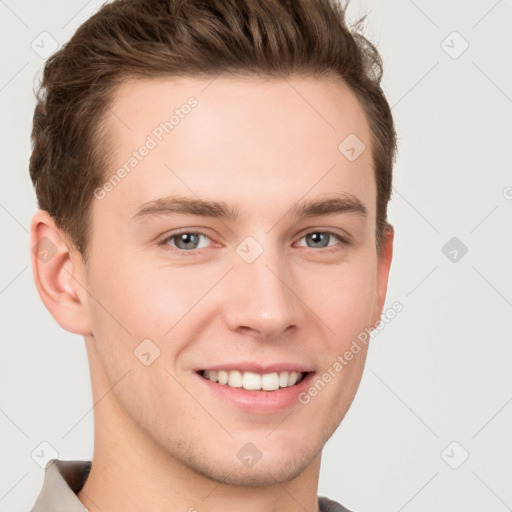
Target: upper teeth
[[251, 380]]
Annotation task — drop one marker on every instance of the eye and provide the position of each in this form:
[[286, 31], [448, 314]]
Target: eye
[[320, 239], [186, 241]]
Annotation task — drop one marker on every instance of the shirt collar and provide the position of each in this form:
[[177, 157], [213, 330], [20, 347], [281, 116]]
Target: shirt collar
[[62, 480]]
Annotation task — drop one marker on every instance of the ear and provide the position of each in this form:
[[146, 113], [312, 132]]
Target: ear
[[59, 274], [383, 266]]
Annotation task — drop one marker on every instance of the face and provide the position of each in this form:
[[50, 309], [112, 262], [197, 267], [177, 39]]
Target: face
[[256, 281]]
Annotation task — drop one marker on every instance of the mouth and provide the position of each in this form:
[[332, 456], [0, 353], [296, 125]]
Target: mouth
[[253, 381], [256, 390]]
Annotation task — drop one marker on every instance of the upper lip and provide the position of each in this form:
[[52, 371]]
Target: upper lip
[[259, 367]]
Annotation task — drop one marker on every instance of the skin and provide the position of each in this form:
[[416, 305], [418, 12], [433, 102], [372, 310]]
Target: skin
[[161, 441]]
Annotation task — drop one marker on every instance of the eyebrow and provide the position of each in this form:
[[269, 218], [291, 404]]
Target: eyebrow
[[346, 203]]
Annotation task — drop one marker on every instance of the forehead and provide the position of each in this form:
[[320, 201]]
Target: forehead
[[238, 138], [326, 105]]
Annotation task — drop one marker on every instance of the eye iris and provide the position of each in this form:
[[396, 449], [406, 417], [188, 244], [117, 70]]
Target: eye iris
[[316, 237], [186, 237]]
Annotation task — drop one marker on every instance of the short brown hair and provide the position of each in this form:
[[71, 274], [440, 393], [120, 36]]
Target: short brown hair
[[162, 38]]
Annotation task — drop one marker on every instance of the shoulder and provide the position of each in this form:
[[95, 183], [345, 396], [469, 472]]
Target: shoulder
[[327, 505]]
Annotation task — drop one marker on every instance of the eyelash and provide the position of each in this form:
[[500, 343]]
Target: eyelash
[[195, 252]]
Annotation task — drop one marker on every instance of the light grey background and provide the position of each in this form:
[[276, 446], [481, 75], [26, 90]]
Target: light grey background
[[439, 372]]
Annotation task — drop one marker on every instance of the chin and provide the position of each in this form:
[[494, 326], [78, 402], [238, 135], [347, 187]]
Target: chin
[[262, 474]]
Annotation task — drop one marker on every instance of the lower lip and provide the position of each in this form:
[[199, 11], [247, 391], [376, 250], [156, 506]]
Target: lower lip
[[261, 402]]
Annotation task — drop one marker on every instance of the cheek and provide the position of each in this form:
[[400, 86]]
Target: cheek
[[343, 298], [134, 301]]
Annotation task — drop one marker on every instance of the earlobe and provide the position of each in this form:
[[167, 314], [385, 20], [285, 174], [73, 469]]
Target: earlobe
[[58, 272], [383, 266]]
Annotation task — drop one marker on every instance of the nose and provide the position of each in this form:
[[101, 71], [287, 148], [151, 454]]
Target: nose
[[262, 300]]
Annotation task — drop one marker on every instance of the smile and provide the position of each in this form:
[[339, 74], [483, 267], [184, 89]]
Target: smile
[[254, 381]]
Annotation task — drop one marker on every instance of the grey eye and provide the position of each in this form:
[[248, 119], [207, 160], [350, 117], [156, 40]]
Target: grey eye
[[319, 239], [186, 241]]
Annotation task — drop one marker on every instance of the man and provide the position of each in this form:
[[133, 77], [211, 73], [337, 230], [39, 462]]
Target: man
[[213, 179]]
